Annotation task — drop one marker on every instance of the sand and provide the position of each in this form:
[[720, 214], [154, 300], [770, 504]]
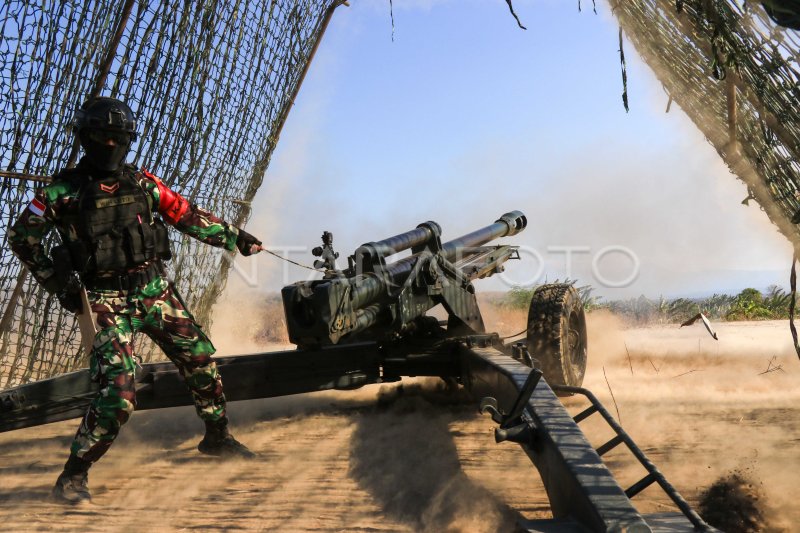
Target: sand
[[377, 460]]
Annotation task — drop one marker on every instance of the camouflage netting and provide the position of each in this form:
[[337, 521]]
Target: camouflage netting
[[211, 83], [735, 73]]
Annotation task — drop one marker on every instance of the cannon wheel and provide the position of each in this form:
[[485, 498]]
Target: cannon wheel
[[557, 333]]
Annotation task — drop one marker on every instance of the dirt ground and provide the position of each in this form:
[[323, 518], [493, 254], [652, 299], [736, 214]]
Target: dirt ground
[[376, 460]]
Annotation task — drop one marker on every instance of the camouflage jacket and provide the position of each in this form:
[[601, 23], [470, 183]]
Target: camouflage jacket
[[61, 197]]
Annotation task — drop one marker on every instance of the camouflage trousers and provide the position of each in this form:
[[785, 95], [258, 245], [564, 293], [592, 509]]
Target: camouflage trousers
[[158, 311]]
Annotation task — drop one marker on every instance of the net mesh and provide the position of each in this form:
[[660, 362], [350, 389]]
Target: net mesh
[[735, 73], [210, 82]]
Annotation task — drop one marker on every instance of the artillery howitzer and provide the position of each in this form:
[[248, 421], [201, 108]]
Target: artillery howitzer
[[368, 324]]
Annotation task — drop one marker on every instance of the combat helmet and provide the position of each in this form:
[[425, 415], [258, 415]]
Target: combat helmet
[[106, 128]]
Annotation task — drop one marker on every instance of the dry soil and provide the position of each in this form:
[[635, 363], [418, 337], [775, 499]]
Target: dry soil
[[378, 460]]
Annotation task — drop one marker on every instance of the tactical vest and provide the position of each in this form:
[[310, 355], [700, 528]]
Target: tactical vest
[[116, 228]]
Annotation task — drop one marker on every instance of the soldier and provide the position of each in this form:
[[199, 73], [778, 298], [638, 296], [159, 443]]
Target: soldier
[[109, 217]]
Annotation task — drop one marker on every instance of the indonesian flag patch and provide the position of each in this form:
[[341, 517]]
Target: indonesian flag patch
[[36, 207]]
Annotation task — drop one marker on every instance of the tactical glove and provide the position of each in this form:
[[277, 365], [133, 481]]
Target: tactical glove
[[71, 301], [54, 284], [70, 296], [67, 288], [245, 242]]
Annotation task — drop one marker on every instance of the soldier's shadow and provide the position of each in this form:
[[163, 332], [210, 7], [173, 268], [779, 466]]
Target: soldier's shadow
[[403, 454]]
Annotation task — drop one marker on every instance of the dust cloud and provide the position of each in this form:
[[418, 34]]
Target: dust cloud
[[247, 322]]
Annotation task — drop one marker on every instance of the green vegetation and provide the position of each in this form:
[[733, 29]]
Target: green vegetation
[[520, 297], [750, 304]]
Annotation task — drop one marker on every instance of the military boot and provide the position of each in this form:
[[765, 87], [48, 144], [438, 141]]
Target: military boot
[[219, 442], [72, 486]]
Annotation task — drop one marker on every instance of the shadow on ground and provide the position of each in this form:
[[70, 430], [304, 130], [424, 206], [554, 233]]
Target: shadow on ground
[[402, 453]]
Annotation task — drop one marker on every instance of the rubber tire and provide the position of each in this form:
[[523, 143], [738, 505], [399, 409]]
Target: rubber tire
[[557, 333]]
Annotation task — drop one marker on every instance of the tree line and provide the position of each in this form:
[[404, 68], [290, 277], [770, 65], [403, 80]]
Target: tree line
[[749, 304]]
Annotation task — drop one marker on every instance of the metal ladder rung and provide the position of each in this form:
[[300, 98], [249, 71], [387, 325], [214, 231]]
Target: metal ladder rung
[[640, 485], [653, 476], [586, 413], [610, 445]]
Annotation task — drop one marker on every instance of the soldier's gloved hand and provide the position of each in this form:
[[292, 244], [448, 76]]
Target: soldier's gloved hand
[[70, 296], [71, 301], [247, 244]]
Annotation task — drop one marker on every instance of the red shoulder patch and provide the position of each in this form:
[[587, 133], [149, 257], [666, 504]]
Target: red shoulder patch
[[170, 204], [147, 174]]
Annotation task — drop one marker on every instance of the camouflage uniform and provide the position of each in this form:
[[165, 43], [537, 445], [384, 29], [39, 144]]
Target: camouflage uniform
[[155, 309]]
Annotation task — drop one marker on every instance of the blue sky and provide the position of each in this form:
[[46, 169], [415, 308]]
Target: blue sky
[[464, 117]]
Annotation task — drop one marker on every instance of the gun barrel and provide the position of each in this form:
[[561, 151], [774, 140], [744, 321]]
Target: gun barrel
[[419, 236], [509, 224], [369, 288]]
